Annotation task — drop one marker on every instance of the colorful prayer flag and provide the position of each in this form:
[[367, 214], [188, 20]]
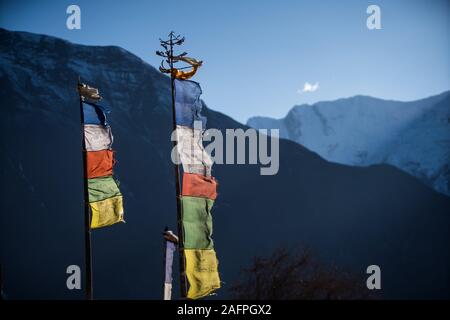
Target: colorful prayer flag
[[198, 185], [170, 249], [106, 212], [94, 113], [197, 222], [187, 103], [104, 196], [99, 163], [97, 137], [191, 152], [202, 272], [102, 188]]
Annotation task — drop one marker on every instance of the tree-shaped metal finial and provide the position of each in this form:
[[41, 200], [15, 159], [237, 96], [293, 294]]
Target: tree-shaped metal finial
[[168, 50], [171, 59]]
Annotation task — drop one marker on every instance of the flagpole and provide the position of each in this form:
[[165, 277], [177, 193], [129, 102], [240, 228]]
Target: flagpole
[[1, 283], [164, 263], [182, 260], [87, 214]]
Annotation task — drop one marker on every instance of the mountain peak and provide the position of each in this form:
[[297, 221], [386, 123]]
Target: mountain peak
[[362, 130], [40, 44]]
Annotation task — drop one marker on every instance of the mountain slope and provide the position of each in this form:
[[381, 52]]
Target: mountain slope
[[361, 131], [353, 217]]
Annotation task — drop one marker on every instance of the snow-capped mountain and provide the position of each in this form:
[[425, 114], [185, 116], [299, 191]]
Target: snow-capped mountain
[[361, 131]]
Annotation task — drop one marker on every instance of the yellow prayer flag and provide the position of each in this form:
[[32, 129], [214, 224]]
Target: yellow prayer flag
[[106, 212], [202, 273]]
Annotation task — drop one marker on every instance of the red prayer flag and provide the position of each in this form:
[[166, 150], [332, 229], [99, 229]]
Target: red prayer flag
[[197, 185], [99, 163]]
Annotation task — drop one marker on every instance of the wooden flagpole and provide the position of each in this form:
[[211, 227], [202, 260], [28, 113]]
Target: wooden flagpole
[[168, 46], [87, 212], [164, 263]]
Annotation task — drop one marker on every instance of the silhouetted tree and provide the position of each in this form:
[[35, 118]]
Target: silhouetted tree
[[287, 275]]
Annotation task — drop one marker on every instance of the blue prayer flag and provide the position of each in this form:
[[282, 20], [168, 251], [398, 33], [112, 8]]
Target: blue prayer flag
[[94, 113], [187, 103], [170, 249]]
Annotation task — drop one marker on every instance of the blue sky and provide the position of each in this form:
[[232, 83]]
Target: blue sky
[[259, 54]]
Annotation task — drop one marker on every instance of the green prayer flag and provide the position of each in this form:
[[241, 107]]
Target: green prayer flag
[[197, 222], [102, 188]]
